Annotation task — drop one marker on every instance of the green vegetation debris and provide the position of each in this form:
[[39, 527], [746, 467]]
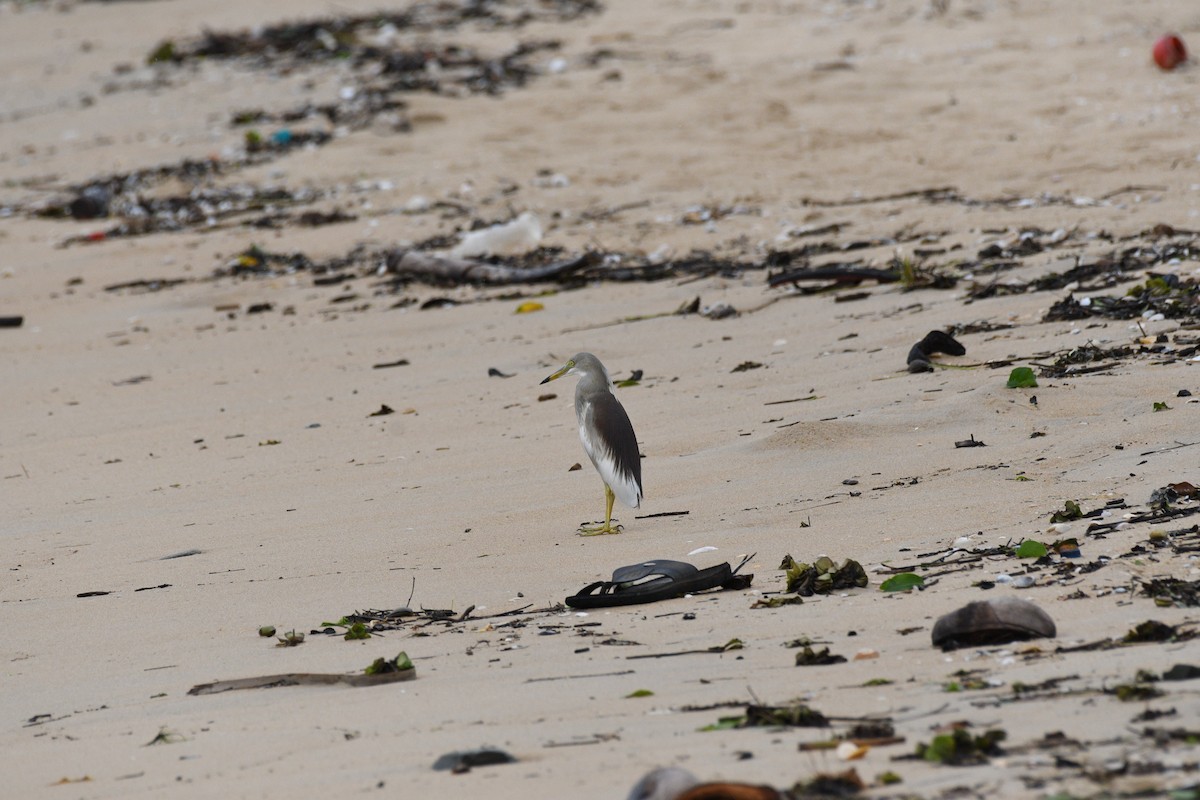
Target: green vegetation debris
[[165, 737], [817, 658], [164, 52], [823, 576], [792, 716], [290, 639], [381, 666], [1031, 549], [904, 582], [1070, 511], [357, 631], [960, 748], [776, 602], [1022, 378]]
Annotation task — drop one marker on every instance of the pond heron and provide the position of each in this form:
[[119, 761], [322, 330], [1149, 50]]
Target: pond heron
[[607, 436]]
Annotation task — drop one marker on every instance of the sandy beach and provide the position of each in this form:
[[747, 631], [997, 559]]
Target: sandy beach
[[226, 407]]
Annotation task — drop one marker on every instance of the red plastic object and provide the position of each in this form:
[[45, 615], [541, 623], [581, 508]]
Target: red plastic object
[[1169, 51]]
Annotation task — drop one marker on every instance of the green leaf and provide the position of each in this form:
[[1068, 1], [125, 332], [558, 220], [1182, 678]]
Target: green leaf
[[1022, 378], [1161, 407], [640, 693], [1031, 549], [902, 582]]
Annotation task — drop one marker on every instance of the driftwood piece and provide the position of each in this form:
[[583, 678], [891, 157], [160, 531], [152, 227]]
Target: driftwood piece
[[844, 274], [469, 270], [303, 679]]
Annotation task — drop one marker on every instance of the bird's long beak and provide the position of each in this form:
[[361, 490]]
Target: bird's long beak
[[563, 370]]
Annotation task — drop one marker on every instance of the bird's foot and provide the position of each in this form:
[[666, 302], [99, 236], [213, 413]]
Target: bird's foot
[[598, 530]]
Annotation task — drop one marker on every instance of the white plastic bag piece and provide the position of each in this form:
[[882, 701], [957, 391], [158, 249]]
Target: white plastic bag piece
[[508, 239]]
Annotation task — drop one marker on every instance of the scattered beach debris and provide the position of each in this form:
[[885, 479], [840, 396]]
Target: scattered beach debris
[[836, 276], [992, 622], [165, 736], [290, 639], [456, 269], [920, 355], [1070, 511], [746, 366], [829, 785], [958, 748], [808, 657], [778, 602], [356, 630], [796, 715], [634, 379], [516, 237], [400, 362], [1140, 691], [823, 576], [381, 671], [717, 649], [461, 761], [1151, 631], [875, 733], [1172, 592], [720, 310], [1086, 360], [1147, 632], [1182, 672]]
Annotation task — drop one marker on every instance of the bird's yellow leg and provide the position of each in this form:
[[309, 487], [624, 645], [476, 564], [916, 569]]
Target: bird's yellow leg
[[609, 497]]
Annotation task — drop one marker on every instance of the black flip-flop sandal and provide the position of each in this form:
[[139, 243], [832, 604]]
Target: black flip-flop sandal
[[660, 579]]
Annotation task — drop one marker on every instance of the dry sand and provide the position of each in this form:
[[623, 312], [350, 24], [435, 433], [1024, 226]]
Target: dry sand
[[757, 110]]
